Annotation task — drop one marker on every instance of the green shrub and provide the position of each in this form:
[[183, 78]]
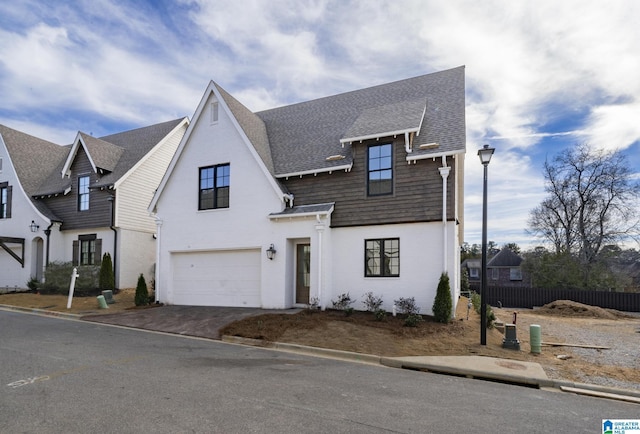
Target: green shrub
[[412, 320], [380, 314], [443, 305], [343, 302], [476, 300], [372, 302], [314, 303], [57, 279], [406, 305], [142, 293], [107, 280], [33, 284]]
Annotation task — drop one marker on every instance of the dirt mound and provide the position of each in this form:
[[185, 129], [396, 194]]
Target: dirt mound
[[568, 308]]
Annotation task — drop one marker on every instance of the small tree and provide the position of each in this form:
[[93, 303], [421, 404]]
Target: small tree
[[443, 305], [142, 293], [106, 273]]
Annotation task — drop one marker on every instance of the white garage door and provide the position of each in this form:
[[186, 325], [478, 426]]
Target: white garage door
[[220, 278]]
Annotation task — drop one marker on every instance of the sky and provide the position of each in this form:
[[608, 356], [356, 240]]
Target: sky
[[541, 75]]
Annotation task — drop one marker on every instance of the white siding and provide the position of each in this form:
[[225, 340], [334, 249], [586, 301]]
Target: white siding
[[135, 192]]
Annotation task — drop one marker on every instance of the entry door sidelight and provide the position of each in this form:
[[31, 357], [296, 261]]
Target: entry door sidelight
[[303, 273]]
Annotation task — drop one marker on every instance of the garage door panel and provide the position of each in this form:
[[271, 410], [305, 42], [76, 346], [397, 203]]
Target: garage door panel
[[220, 278]]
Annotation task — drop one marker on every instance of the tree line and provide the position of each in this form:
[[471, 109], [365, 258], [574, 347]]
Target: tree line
[[591, 209]]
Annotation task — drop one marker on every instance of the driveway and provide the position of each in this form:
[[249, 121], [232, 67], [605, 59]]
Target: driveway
[[200, 321]]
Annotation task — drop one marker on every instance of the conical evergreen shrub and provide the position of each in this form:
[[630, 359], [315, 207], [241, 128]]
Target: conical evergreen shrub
[[443, 305], [142, 293], [106, 280]]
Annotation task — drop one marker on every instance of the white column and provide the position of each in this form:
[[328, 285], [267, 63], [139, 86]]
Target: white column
[[320, 229], [444, 172]]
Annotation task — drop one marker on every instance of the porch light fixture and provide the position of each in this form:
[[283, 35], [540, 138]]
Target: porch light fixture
[[485, 157], [33, 226], [271, 252]]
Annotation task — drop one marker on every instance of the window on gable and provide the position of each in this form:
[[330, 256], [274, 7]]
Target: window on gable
[[382, 257], [380, 168], [5, 200], [474, 273], [214, 187], [83, 193]]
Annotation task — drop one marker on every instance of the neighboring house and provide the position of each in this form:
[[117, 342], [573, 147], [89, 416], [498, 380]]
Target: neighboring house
[[351, 193], [473, 267], [504, 269], [76, 202]]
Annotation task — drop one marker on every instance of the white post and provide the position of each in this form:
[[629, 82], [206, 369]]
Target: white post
[[320, 229], [444, 172], [74, 275]]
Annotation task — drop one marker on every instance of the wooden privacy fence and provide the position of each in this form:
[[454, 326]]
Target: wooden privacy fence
[[530, 297]]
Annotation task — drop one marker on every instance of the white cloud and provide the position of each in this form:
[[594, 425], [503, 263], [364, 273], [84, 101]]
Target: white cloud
[[539, 73]]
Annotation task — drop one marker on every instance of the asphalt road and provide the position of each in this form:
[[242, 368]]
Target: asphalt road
[[71, 376]]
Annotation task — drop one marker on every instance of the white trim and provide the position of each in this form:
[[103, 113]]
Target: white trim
[[346, 167], [378, 135], [211, 89], [146, 156], [19, 183], [72, 155], [434, 156], [300, 215]]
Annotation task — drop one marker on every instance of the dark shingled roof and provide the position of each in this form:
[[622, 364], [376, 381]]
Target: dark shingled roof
[[39, 163], [302, 136], [505, 258], [116, 153]]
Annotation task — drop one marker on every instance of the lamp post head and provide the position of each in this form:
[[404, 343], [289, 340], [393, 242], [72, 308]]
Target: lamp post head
[[485, 154]]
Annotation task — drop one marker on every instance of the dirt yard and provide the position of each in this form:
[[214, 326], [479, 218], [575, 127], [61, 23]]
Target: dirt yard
[[561, 322]]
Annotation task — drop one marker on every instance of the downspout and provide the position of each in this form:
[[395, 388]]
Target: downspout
[[320, 229], [444, 172], [157, 270], [112, 199], [47, 233]]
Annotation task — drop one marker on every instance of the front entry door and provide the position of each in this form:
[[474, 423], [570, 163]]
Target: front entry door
[[303, 273]]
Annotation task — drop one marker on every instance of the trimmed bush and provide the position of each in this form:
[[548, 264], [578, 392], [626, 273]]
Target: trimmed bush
[[443, 305], [142, 293], [107, 280], [477, 302], [57, 278], [372, 302]]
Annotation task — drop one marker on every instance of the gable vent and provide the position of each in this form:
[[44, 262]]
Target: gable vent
[[335, 157]]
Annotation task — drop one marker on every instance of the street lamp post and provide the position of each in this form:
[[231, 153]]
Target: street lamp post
[[485, 157]]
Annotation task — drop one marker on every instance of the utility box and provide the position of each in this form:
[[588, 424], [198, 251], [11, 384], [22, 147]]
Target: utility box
[[510, 337], [108, 296]]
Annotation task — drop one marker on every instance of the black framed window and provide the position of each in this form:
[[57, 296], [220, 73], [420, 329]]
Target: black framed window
[[382, 257], [83, 193], [380, 169], [5, 200], [87, 250], [214, 187]]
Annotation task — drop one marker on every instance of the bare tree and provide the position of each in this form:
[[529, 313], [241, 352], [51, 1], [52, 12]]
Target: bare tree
[[591, 202]]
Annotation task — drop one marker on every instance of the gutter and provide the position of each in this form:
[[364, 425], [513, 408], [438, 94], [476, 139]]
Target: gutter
[[112, 199]]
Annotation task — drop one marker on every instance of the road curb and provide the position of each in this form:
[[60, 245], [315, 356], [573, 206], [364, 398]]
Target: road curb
[[304, 349], [565, 386], [41, 311]]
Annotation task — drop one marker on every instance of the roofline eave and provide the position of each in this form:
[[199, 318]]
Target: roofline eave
[[379, 135], [346, 167]]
